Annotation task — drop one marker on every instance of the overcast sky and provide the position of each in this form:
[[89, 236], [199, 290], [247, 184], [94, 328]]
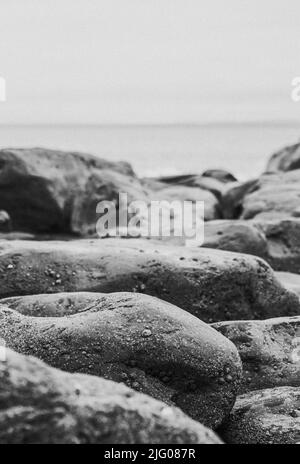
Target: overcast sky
[[148, 61]]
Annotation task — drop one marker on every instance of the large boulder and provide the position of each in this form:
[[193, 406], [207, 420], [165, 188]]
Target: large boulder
[[286, 159], [283, 243], [275, 196], [52, 191], [271, 196], [270, 416], [270, 351], [43, 405], [209, 183], [211, 284], [155, 347], [238, 236], [233, 197], [192, 194], [276, 241]]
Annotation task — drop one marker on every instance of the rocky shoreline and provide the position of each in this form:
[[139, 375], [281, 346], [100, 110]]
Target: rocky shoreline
[[115, 340]]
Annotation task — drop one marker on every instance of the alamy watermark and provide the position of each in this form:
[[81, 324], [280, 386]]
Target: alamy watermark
[[156, 219]]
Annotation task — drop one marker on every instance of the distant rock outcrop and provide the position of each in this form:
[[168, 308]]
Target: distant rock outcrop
[[271, 196], [286, 159], [49, 191], [220, 174]]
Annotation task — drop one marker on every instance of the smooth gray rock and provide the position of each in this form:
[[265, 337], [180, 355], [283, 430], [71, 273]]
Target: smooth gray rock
[[157, 348], [275, 196], [40, 404], [53, 191], [286, 159], [235, 235], [211, 284], [276, 241]]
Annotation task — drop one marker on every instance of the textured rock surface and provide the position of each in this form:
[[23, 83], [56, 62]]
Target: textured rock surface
[[237, 236], [53, 305], [283, 243], [269, 416], [211, 284], [271, 196], [270, 351], [233, 197], [183, 193], [155, 347], [53, 191], [40, 404], [211, 184], [276, 241], [286, 159], [274, 196]]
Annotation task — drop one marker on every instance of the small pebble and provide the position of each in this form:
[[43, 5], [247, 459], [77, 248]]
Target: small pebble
[[146, 333]]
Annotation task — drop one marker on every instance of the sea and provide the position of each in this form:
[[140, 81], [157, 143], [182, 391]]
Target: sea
[[155, 150]]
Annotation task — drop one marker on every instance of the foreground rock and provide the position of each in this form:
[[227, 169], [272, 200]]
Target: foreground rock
[[40, 404], [53, 305], [270, 351], [269, 416], [212, 285], [286, 159], [155, 347], [53, 191]]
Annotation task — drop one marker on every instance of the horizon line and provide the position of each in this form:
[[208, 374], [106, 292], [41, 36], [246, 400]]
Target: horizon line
[[269, 122]]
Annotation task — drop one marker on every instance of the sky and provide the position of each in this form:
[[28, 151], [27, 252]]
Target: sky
[[148, 61]]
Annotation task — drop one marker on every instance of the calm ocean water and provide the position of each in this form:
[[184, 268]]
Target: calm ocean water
[[163, 150]]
